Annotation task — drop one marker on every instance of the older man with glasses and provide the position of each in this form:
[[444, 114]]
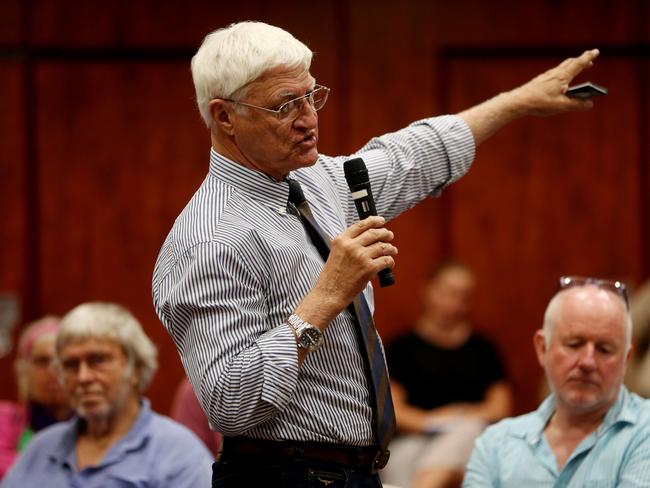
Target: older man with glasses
[[105, 362], [264, 280], [591, 431]]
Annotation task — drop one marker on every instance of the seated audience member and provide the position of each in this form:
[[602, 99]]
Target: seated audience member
[[447, 382], [105, 362], [187, 410], [591, 431], [41, 398], [637, 377]]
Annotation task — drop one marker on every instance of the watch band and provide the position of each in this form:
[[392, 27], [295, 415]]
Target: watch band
[[309, 337]]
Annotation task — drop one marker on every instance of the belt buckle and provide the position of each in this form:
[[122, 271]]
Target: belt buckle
[[380, 460]]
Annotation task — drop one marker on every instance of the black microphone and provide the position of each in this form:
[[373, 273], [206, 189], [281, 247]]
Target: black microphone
[[356, 175]]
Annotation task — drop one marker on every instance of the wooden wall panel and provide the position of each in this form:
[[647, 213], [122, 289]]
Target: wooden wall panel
[[541, 22], [11, 22], [146, 23], [13, 198], [546, 197], [121, 149]]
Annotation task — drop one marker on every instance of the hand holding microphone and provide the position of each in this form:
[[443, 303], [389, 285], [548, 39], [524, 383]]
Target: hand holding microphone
[[358, 180]]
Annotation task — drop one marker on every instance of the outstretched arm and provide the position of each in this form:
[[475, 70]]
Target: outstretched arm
[[543, 95]]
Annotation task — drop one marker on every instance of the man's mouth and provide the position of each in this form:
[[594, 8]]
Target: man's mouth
[[585, 381]]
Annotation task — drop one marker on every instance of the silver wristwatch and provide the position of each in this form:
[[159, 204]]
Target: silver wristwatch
[[309, 337]]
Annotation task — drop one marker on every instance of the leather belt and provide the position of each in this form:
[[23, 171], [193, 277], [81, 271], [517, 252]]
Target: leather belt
[[368, 459]]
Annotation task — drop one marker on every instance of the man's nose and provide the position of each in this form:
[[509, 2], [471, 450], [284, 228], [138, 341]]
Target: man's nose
[[85, 372], [588, 357], [307, 116]]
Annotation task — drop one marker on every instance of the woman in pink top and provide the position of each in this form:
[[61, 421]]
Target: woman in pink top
[[41, 399]]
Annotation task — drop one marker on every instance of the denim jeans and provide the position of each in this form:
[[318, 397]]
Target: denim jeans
[[260, 472]]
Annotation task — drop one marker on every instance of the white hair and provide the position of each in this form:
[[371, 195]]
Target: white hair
[[552, 313], [231, 57], [102, 320]]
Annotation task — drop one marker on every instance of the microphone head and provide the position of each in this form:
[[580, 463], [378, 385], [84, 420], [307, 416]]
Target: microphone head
[[356, 173]]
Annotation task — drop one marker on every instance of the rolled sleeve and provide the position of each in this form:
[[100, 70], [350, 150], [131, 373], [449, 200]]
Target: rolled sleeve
[[280, 360]]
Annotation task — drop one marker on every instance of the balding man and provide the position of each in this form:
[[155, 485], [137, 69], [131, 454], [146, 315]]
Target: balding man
[[591, 431]]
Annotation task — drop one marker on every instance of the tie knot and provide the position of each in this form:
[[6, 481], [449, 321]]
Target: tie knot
[[296, 196]]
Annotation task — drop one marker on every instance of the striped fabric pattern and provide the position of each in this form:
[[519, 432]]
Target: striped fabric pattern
[[369, 341], [236, 264]]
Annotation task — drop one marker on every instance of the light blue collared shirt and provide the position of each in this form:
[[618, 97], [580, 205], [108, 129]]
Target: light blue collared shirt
[[515, 453]]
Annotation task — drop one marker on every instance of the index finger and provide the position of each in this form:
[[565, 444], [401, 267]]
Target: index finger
[[372, 222], [576, 65]]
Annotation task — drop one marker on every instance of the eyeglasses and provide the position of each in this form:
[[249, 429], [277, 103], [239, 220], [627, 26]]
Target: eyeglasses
[[617, 287], [291, 110], [97, 361]]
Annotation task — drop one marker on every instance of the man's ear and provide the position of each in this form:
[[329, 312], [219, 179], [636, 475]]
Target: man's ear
[[539, 343], [136, 371], [629, 354], [221, 111]]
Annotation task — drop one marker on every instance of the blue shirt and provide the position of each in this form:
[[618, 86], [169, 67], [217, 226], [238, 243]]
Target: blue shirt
[[515, 453], [156, 452], [236, 264]]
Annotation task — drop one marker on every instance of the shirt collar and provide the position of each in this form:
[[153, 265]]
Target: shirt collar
[[64, 452], [254, 184], [533, 430], [623, 410]]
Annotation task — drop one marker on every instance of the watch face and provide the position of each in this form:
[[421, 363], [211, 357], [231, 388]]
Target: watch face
[[311, 338]]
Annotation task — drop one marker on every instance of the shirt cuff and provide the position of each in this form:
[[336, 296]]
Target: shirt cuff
[[280, 358]]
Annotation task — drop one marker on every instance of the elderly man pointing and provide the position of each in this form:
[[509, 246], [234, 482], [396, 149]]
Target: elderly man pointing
[[264, 280]]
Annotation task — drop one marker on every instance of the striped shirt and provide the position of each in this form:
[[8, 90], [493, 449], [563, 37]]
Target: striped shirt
[[515, 453], [236, 264]]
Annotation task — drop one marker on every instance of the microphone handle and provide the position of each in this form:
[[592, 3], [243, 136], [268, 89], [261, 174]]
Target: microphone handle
[[365, 204]]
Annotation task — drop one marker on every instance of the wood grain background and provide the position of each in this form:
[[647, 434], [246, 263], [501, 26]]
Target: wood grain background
[[101, 146]]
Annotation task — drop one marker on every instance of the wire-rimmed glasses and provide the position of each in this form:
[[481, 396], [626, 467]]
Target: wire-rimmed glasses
[[617, 287], [290, 110]]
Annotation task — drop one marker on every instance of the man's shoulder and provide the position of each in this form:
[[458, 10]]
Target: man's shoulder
[[216, 209], [55, 440], [166, 431], [637, 410], [53, 433]]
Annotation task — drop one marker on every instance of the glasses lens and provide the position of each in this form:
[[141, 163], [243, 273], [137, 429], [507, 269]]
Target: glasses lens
[[319, 97], [316, 99]]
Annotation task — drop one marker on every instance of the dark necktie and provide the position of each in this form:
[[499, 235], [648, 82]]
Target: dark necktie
[[383, 412]]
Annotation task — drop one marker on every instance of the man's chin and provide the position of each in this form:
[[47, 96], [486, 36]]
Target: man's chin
[[92, 411], [585, 402], [311, 157]]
